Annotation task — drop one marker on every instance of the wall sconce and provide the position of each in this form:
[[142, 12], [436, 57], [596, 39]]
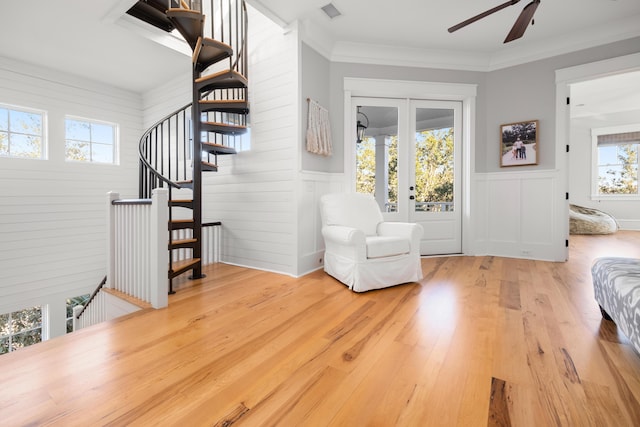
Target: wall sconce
[[361, 126]]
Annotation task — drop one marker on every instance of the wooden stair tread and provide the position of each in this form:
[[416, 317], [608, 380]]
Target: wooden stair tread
[[238, 106], [183, 241], [220, 74], [181, 224], [209, 167], [178, 267], [214, 148], [224, 128], [130, 299], [152, 12], [208, 51], [224, 124], [226, 79], [189, 23]]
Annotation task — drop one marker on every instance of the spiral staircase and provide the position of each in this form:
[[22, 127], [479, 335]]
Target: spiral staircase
[[176, 150]]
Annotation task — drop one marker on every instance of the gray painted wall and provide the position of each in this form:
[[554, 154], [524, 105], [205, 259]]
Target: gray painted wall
[[314, 79], [527, 92], [524, 92]]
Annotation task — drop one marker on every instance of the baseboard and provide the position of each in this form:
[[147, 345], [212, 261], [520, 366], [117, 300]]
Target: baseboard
[[629, 224]]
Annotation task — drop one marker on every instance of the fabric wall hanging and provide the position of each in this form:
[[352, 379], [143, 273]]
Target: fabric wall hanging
[[318, 130]]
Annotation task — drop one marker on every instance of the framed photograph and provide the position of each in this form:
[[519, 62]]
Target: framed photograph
[[519, 144]]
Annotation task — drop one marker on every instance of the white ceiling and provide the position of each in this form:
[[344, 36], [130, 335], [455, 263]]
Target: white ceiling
[[90, 38], [605, 95], [86, 38], [417, 29]]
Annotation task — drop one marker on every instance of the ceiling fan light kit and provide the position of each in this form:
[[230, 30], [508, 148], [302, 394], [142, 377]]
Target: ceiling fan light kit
[[519, 27]]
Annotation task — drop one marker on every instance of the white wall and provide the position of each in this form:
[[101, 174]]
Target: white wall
[[53, 213], [254, 192]]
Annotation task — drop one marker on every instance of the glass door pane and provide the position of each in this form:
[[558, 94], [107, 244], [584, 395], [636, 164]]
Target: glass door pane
[[377, 154], [434, 160]]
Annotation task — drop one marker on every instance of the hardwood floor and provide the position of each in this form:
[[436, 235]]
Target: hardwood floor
[[480, 341]]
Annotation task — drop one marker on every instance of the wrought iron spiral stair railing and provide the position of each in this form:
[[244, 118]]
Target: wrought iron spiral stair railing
[[177, 149]]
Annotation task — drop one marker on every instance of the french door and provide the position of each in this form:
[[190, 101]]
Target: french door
[[409, 158]]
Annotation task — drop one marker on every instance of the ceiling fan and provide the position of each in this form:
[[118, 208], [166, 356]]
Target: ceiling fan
[[518, 28]]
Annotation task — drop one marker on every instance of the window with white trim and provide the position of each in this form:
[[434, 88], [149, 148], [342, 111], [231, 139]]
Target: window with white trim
[[71, 303], [90, 141], [22, 132], [20, 329], [615, 165]]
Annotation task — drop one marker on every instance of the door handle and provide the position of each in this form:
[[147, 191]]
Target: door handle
[[412, 198], [411, 188]]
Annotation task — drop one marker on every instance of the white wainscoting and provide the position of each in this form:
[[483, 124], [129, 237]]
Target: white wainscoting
[[520, 215], [310, 244]]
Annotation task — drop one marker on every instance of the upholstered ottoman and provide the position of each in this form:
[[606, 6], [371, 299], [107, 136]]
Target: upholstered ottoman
[[616, 283]]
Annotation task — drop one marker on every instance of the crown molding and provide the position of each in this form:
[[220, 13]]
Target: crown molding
[[518, 53], [522, 53]]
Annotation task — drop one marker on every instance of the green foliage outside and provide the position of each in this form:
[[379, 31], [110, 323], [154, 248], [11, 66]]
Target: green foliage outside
[[623, 179], [20, 329], [366, 166], [78, 140], [20, 134], [434, 166]]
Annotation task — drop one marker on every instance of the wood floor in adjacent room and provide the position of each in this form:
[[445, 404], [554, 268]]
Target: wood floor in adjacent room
[[480, 341]]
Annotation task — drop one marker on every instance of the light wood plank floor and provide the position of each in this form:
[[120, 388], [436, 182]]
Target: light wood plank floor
[[480, 341]]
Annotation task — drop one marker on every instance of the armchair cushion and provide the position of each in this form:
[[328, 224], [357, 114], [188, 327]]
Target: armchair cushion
[[383, 246]]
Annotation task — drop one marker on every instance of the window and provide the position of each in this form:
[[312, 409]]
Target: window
[[20, 329], [71, 303], [90, 141], [22, 132], [615, 154]]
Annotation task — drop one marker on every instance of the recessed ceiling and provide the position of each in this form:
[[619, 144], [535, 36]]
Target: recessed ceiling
[[420, 27], [90, 38]]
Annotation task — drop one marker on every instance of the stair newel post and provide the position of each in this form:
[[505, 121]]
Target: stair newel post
[[159, 260], [111, 238], [197, 175]]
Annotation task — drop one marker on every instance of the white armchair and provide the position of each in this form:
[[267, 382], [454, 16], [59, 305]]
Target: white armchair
[[361, 250]]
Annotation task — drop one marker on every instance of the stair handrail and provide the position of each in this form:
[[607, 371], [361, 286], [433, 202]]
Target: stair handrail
[[93, 295], [142, 156], [245, 34]]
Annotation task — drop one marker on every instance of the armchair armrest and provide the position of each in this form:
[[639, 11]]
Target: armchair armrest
[[345, 241], [411, 231]]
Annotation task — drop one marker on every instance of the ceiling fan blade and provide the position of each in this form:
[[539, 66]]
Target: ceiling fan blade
[[482, 15], [522, 22]]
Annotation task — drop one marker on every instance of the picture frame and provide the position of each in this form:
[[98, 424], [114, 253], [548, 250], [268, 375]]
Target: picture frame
[[519, 143]]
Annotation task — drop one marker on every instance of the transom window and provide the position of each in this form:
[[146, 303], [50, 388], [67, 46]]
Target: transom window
[[90, 141], [22, 132], [20, 329], [615, 154]]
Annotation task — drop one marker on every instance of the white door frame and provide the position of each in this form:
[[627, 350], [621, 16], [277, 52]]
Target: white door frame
[[565, 77], [466, 93]]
